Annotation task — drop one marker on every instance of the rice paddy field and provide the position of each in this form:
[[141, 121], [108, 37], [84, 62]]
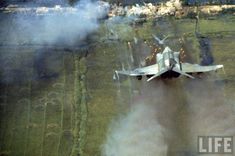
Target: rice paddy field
[[61, 101]]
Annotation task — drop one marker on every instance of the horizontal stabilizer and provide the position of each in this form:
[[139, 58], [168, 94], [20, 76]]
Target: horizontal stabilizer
[[182, 73], [156, 75]]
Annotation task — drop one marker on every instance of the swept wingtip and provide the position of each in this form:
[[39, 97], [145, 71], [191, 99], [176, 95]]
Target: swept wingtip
[[220, 66], [115, 75]]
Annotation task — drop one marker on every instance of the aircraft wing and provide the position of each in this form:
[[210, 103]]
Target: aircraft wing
[[156, 38], [195, 68], [165, 38], [149, 70]]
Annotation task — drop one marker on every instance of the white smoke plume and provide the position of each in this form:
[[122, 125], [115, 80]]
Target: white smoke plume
[[168, 118], [58, 25], [143, 131], [43, 27], [137, 134], [211, 113]]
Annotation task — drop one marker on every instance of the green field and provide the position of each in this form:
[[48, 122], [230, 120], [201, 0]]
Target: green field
[[56, 102]]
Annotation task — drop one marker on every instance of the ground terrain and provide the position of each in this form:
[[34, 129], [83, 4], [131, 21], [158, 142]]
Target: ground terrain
[[58, 101]]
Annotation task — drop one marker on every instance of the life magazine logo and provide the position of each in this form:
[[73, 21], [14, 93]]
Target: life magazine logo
[[215, 144]]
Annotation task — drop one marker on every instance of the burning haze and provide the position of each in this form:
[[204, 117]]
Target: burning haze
[[36, 29], [148, 127], [58, 25], [167, 118], [211, 111]]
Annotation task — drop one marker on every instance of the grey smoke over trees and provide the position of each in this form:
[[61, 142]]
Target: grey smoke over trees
[[66, 27]]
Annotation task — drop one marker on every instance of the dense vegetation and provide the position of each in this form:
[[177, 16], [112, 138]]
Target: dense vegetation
[[124, 2]]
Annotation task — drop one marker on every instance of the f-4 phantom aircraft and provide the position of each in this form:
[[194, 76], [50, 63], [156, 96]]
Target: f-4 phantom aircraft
[[168, 65]]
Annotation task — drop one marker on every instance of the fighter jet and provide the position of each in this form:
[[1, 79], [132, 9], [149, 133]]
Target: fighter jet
[[159, 40], [167, 65]]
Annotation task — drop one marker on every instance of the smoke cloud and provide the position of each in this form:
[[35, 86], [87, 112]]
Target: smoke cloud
[[211, 112], [149, 127], [60, 25], [43, 27], [167, 118], [136, 134]]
